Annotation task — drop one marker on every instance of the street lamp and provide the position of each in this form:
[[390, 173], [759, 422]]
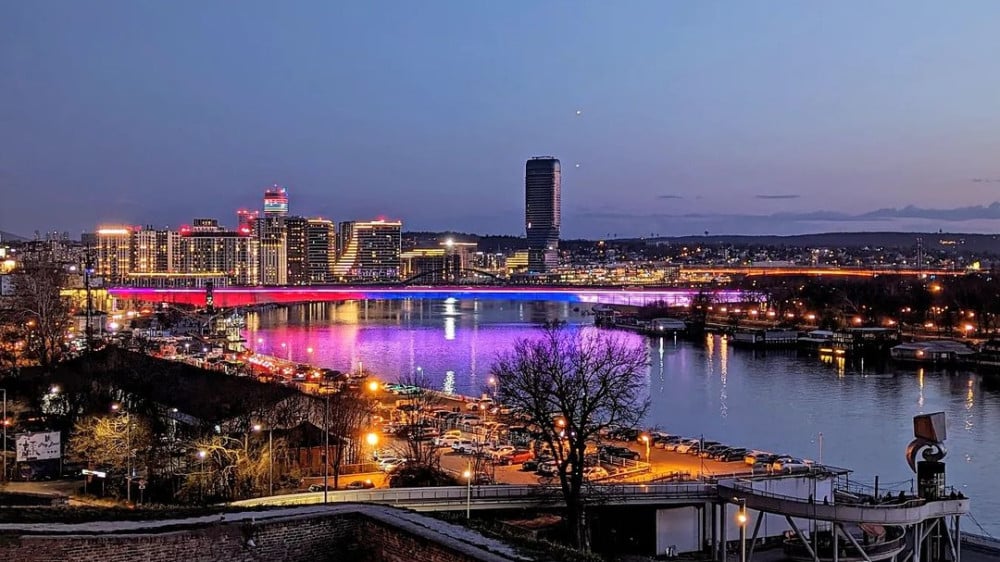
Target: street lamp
[[201, 456], [741, 520], [645, 439], [372, 439], [468, 490], [373, 386]]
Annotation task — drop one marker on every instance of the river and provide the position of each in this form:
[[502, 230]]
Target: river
[[776, 401]]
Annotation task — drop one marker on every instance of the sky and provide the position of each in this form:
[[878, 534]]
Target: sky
[[669, 117]]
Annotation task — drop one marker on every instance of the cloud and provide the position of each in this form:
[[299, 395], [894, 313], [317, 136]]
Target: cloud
[[789, 196], [669, 196]]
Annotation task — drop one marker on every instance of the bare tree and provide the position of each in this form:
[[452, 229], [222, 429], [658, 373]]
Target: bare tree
[[39, 308], [349, 414], [417, 406], [114, 442], [572, 385]]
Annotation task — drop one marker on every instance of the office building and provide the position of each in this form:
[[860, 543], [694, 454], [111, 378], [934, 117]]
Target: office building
[[273, 253], [542, 212], [246, 221], [321, 249], [208, 250], [369, 251], [275, 202], [295, 240], [113, 253]]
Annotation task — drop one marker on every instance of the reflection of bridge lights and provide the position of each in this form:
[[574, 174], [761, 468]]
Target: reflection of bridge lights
[[449, 328], [449, 382]]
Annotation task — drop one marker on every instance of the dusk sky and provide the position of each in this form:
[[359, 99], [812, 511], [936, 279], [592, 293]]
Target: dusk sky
[[731, 117]]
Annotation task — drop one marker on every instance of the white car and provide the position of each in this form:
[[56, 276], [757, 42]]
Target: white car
[[687, 445], [391, 466], [466, 447], [594, 472], [501, 452], [387, 461], [386, 453], [447, 441]]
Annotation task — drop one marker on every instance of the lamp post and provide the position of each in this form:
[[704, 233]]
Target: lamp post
[[645, 439], [201, 456], [741, 520], [468, 490], [270, 457], [820, 447]]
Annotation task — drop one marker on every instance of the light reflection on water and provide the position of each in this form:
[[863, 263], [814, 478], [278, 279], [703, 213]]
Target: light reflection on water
[[775, 401]]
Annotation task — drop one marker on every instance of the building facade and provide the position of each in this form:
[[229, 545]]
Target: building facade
[[113, 253], [296, 250], [542, 212], [273, 253], [369, 251], [321, 250]]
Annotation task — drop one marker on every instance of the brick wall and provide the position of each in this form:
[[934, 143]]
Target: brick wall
[[362, 533]]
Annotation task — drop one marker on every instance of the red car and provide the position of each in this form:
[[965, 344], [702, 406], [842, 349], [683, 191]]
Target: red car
[[519, 456]]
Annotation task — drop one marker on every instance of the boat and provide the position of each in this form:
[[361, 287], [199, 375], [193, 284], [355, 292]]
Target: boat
[[932, 352], [764, 338], [878, 542]]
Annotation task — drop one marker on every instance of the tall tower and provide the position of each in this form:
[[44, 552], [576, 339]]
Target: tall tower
[[542, 214], [273, 236], [275, 201]]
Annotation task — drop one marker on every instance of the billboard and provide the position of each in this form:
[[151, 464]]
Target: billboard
[[38, 446]]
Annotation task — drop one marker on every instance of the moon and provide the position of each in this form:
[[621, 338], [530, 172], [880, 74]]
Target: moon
[[579, 112]]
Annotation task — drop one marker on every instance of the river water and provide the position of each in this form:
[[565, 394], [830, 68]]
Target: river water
[[776, 401]]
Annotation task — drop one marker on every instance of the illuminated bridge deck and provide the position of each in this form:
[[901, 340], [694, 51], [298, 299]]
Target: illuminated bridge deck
[[248, 296]]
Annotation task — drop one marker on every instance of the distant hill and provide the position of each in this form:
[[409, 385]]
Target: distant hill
[[11, 237], [932, 241]]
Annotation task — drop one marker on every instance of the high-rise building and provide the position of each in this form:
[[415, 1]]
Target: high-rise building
[[245, 221], [206, 249], [151, 251], [114, 253], [542, 213], [275, 201], [295, 240], [273, 253], [321, 250], [370, 252]]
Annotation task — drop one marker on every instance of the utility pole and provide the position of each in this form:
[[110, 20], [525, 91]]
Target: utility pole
[[3, 450]]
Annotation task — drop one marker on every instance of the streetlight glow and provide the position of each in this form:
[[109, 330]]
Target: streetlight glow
[[372, 439], [373, 386]]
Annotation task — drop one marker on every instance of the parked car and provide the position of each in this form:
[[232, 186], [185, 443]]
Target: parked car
[[392, 465], [470, 419], [446, 441], [424, 433], [710, 451], [752, 457], [687, 445], [594, 472], [319, 488], [620, 452], [500, 452], [519, 456], [360, 485], [466, 447], [547, 468], [790, 464], [385, 454], [731, 454]]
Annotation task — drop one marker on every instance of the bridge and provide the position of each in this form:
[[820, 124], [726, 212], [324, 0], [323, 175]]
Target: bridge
[[248, 296]]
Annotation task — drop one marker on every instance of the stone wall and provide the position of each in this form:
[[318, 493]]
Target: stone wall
[[341, 533]]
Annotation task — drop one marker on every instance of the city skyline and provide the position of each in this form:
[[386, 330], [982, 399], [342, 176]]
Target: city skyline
[[669, 119]]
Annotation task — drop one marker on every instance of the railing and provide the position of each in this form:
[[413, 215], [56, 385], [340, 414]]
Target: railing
[[903, 513], [493, 494]]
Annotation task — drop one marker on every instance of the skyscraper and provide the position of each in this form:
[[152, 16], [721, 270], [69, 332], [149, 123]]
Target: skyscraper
[[295, 229], [275, 201], [273, 237], [321, 247], [542, 212]]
